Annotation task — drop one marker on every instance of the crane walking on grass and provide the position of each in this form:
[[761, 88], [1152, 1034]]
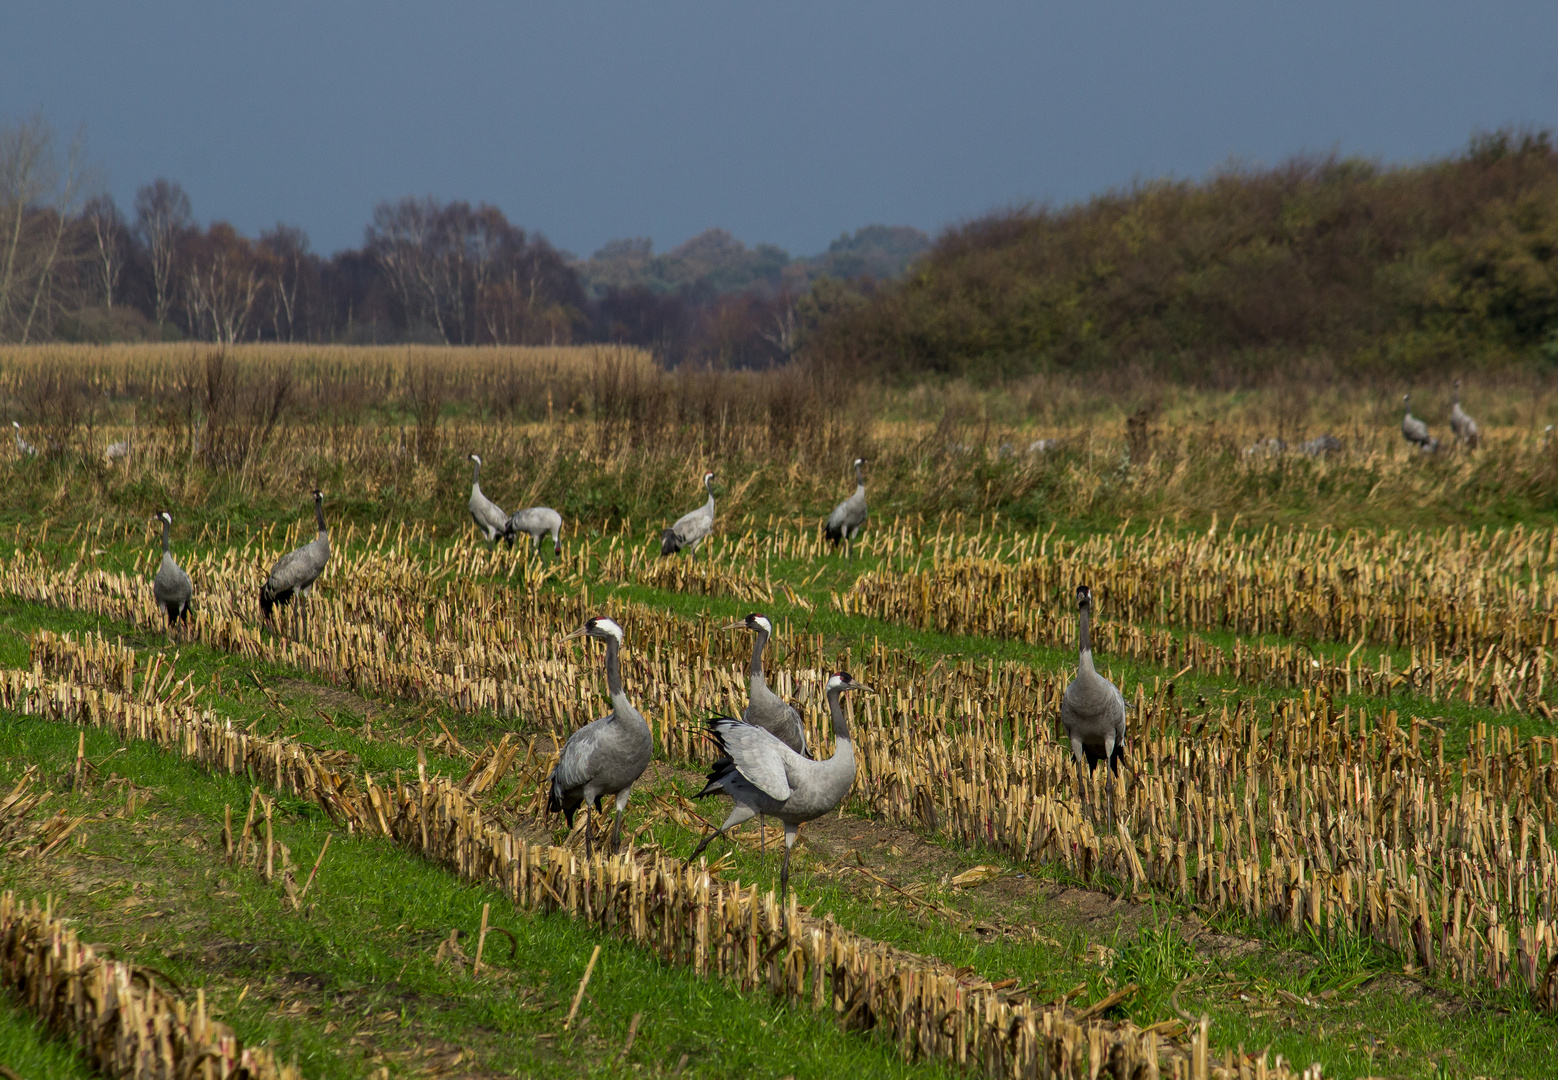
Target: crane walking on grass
[[295, 572], [488, 515], [692, 528], [1414, 430], [1462, 424], [536, 522], [849, 516], [1093, 709], [171, 587], [606, 756], [764, 776], [766, 709]]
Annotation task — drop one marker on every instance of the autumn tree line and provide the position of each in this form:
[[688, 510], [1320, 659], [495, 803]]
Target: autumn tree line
[[75, 266], [1317, 265]]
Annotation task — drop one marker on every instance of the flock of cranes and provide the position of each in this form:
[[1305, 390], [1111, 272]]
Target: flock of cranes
[[1415, 431], [764, 764]]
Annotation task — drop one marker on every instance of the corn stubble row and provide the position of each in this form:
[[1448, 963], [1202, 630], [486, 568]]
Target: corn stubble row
[[111, 1009], [690, 917], [1491, 649], [1341, 820], [1451, 590]]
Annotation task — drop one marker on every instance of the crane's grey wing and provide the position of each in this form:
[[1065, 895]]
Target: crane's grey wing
[[759, 756], [298, 569], [290, 571], [172, 584], [693, 526], [837, 518], [574, 765]]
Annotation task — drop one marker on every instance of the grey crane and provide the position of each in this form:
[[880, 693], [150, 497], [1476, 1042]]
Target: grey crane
[[1461, 423], [118, 451], [171, 587], [764, 776], [23, 447], [1265, 448], [488, 515], [536, 522], [1320, 445], [849, 516], [1092, 709], [692, 528], [766, 709], [1414, 430], [295, 572], [606, 756]]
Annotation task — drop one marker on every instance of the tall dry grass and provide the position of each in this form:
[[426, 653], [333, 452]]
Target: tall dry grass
[[604, 434]]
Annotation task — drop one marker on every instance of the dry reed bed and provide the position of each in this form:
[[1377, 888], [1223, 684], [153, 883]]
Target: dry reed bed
[[1347, 822], [685, 916], [112, 1010], [623, 437]]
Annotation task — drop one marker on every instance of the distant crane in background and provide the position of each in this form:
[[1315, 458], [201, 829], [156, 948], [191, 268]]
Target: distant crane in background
[[488, 515], [536, 522], [295, 572], [1463, 425], [1092, 709], [849, 516], [171, 587], [23, 447], [692, 528], [1414, 430]]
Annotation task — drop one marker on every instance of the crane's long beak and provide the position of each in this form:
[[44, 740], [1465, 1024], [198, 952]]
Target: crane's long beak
[[736, 626], [577, 633], [862, 686]]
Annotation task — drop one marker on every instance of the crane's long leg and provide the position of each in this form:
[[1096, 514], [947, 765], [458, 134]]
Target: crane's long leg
[[589, 834], [738, 813], [616, 830], [790, 832], [762, 836], [1079, 754], [1109, 775]]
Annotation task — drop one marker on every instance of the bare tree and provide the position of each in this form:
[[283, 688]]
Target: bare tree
[[107, 235], [221, 283], [37, 198], [285, 251], [162, 217]]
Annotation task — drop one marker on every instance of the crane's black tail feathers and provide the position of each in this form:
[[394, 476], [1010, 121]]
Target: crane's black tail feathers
[[177, 613], [670, 544], [558, 799], [1095, 754], [271, 599], [723, 765], [834, 534]]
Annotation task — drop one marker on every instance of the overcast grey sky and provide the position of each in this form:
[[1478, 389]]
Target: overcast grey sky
[[783, 122]]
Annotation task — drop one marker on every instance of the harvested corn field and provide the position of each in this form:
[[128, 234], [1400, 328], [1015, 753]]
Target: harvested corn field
[[324, 836]]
